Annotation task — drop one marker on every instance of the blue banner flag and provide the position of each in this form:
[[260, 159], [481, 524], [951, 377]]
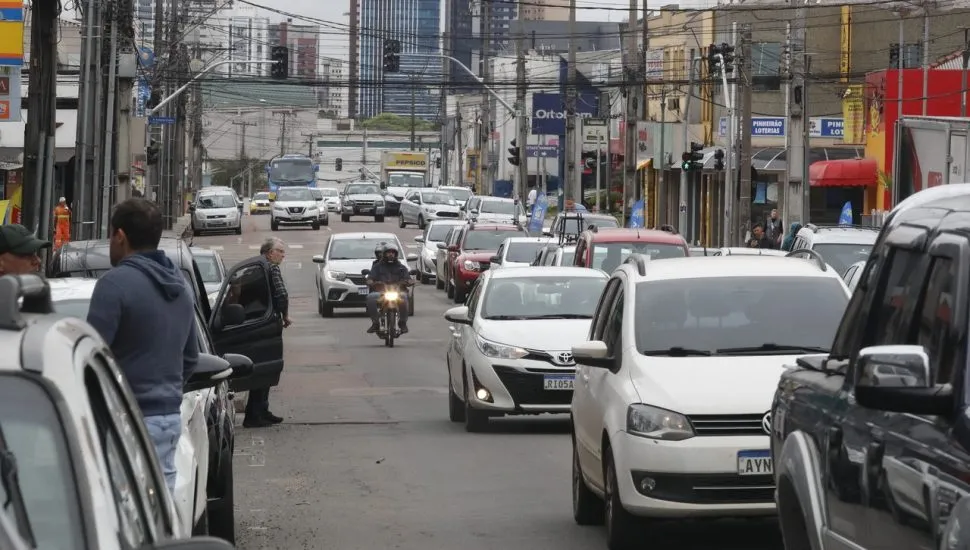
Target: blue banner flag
[[538, 214], [636, 216], [845, 218]]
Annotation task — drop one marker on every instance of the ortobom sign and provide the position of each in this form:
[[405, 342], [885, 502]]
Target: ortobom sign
[[549, 112]]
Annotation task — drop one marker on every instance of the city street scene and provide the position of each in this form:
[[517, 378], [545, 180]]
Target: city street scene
[[484, 274]]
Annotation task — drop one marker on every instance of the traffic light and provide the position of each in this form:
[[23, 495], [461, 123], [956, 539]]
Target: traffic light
[[719, 159], [392, 56], [437, 162], [338, 164], [720, 57], [280, 55], [151, 153], [514, 152], [693, 159]]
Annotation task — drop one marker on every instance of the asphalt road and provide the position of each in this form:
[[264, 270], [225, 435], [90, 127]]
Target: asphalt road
[[367, 459]]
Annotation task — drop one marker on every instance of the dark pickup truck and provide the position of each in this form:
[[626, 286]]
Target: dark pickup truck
[[871, 443]]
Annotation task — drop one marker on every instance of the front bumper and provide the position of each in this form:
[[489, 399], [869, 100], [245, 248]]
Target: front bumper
[[216, 224], [697, 477], [516, 386], [307, 217], [349, 293], [333, 206], [259, 208], [362, 210], [464, 278], [431, 216]]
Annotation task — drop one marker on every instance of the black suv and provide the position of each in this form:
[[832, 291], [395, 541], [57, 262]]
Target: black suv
[[871, 442], [242, 322]]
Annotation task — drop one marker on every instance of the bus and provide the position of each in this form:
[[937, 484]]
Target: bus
[[290, 171]]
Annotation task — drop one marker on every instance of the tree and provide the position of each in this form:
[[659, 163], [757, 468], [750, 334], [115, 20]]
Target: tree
[[396, 123]]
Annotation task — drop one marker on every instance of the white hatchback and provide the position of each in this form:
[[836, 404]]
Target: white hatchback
[[670, 415]]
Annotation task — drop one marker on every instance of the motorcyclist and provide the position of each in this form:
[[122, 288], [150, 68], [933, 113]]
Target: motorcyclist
[[378, 254], [388, 271]]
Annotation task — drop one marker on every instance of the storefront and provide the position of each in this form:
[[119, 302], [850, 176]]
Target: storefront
[[836, 182]]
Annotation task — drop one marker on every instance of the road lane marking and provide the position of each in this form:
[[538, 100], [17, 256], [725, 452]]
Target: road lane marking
[[254, 247], [381, 392], [217, 247], [296, 246], [294, 265]]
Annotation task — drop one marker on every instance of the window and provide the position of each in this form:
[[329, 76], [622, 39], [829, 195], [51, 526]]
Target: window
[[437, 233], [601, 316], [609, 256], [248, 288], [473, 298], [525, 297], [209, 268], [936, 324], [842, 255], [614, 325], [893, 315], [849, 273], [214, 201], [358, 249], [488, 240], [523, 252], [766, 66]]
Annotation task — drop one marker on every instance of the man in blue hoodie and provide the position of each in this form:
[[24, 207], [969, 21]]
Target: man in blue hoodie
[[145, 311]]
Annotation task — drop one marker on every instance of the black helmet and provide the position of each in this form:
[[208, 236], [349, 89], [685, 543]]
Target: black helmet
[[379, 250], [391, 247]]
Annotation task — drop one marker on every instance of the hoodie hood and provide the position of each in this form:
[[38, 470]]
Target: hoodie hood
[[160, 270]]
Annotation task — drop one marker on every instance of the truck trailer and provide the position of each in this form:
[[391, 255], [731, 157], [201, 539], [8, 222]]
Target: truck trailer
[[403, 171], [929, 151]]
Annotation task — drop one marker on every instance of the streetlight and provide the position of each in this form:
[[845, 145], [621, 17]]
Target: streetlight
[[202, 72]]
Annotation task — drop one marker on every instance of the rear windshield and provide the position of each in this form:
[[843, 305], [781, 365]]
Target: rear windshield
[[489, 240], [609, 256]]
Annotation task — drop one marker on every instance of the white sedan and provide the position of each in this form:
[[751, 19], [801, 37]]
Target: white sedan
[[425, 205], [510, 347]]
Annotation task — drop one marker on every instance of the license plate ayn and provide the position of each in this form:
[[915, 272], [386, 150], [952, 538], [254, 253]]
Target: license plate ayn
[[755, 463], [558, 382]]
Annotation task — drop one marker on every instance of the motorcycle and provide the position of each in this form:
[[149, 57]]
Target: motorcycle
[[387, 313]]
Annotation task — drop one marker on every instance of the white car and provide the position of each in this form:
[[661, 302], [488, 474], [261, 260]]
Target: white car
[[331, 197], [495, 210], [853, 274], [670, 415], [323, 214], [518, 251], [509, 351], [424, 205], [839, 245], [216, 209], [435, 233], [460, 194], [294, 206]]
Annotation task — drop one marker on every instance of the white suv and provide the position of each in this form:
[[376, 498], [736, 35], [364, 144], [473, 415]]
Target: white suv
[[670, 408], [294, 206], [839, 245]]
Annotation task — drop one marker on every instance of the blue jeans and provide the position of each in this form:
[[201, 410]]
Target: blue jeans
[[165, 430], [402, 310]]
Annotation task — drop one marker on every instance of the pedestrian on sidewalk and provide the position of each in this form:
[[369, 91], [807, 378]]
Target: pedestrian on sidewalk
[[145, 311], [62, 223], [273, 251], [20, 250]]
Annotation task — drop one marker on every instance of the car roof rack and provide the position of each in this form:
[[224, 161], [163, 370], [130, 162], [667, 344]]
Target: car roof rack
[[815, 227], [566, 237], [813, 255], [36, 296], [640, 261]]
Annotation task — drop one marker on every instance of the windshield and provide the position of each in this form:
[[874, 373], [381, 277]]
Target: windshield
[[294, 194], [209, 267], [438, 232], [405, 180], [572, 226], [366, 189], [459, 194], [358, 249], [217, 201], [841, 256], [609, 256], [292, 170], [32, 433], [438, 198], [542, 298], [261, 197], [317, 194], [328, 192], [523, 252], [488, 240], [499, 207], [711, 313]]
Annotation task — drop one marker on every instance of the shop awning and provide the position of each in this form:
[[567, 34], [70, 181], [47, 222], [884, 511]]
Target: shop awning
[[844, 173], [644, 164]]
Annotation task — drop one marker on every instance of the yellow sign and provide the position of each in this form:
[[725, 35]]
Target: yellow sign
[[406, 161], [845, 58], [853, 115]]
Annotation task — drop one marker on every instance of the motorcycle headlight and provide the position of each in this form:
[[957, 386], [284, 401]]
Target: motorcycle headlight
[[472, 266], [337, 275], [391, 295], [500, 351], [656, 423]]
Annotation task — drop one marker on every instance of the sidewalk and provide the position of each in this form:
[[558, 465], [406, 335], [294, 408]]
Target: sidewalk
[[182, 227]]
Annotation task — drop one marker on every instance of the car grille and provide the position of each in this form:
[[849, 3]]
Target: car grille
[[538, 355], [356, 279], [526, 387], [296, 209], [708, 488], [215, 217], [447, 214], [363, 203], [728, 424]]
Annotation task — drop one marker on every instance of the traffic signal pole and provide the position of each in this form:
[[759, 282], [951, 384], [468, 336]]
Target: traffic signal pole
[[682, 219]]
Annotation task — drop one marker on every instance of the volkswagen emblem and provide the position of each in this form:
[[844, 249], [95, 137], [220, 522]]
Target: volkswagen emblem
[[766, 423], [563, 358]]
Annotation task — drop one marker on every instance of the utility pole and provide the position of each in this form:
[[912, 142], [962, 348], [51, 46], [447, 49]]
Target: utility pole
[[414, 139], [744, 149], [926, 54], [485, 128], [108, 178], [798, 112], [41, 123], [283, 116], [88, 144], [459, 146], [309, 140], [682, 219], [445, 140], [243, 161], [125, 19], [966, 68], [523, 122], [573, 180], [631, 86]]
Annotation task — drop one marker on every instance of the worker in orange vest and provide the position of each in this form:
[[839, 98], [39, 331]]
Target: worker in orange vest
[[62, 223]]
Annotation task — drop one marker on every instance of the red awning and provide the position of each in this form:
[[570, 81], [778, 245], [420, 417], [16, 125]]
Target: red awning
[[844, 173]]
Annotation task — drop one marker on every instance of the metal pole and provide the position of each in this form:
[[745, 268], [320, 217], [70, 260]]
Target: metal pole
[[599, 151], [609, 159], [88, 82], [523, 123], [926, 54], [413, 122], [966, 66], [572, 181], [682, 218], [807, 144], [663, 154], [899, 70], [744, 150], [109, 133]]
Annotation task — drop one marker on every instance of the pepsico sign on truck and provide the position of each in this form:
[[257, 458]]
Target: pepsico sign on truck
[[549, 112]]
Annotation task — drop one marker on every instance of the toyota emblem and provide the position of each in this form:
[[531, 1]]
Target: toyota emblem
[[565, 358], [766, 423]]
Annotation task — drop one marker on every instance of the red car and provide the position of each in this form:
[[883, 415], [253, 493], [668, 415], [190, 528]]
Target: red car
[[606, 249], [471, 255]]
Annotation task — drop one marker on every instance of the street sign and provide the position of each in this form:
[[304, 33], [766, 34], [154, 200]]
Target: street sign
[[161, 120], [542, 151], [594, 130]]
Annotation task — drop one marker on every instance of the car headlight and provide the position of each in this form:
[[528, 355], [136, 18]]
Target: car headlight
[[336, 275], [656, 423], [500, 351], [379, 203], [312, 210], [429, 210], [348, 202], [472, 266], [278, 208], [391, 296]]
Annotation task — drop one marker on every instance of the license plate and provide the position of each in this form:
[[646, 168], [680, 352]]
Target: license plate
[[558, 383], [362, 290], [755, 463], [366, 209]]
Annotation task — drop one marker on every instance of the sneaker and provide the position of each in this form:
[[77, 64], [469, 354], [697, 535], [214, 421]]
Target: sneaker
[[272, 418], [373, 328]]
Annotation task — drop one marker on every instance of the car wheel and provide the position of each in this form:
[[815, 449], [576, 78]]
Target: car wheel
[[323, 308], [425, 279], [344, 218], [201, 528], [587, 507], [456, 409], [620, 524], [411, 305], [273, 225], [421, 223], [315, 226], [400, 221], [239, 229], [379, 219], [475, 420], [220, 514]]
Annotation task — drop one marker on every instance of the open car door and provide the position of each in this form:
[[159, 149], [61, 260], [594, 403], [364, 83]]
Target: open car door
[[244, 321]]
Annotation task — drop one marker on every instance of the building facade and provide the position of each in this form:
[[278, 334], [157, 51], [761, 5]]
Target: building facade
[[331, 95], [303, 41], [249, 40]]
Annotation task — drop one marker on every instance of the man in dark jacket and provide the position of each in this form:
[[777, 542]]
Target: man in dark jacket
[[145, 311], [388, 271]]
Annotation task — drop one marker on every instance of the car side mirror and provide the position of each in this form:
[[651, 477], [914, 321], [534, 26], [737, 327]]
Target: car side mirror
[[319, 259], [898, 379], [458, 315], [242, 366], [210, 371], [442, 246], [316, 167], [412, 257], [271, 199], [419, 239], [495, 259], [232, 315], [194, 543], [365, 272], [593, 353], [473, 211]]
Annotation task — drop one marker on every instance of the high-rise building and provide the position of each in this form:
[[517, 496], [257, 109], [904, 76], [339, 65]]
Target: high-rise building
[[331, 93], [303, 42], [248, 40], [545, 10], [464, 32], [416, 87]]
